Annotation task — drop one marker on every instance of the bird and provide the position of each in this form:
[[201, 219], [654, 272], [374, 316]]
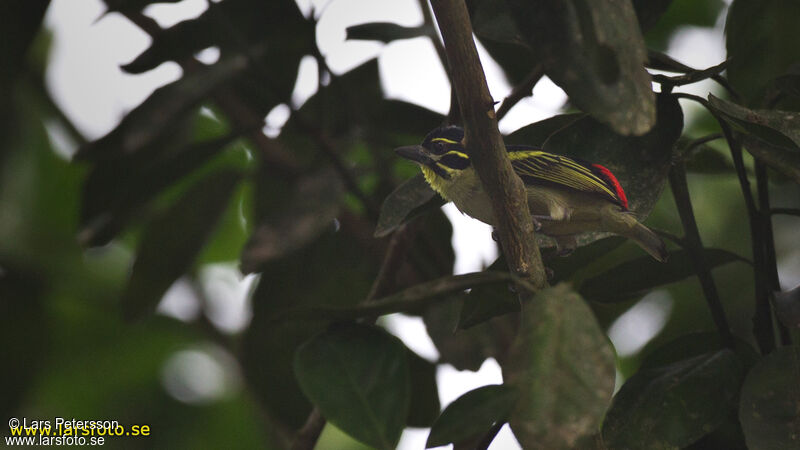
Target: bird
[[566, 196]]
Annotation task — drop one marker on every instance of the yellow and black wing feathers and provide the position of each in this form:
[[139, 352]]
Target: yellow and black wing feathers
[[542, 168]]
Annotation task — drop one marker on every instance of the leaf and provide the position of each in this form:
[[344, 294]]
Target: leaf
[[537, 133], [492, 20], [692, 345], [563, 367], [564, 268], [232, 25], [404, 202], [424, 404], [472, 415], [672, 406], [21, 314], [131, 5], [772, 136], [780, 159], [357, 375], [778, 128], [679, 14], [468, 349], [638, 276], [649, 11], [115, 190], [312, 208], [758, 34], [484, 302], [160, 113], [172, 241], [331, 271], [787, 307], [710, 161], [385, 32], [596, 53], [769, 409], [641, 164]]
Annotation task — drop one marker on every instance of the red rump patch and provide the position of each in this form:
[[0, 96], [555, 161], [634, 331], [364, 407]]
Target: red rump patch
[[613, 181]]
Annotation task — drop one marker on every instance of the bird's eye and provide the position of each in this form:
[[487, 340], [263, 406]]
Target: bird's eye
[[438, 146]]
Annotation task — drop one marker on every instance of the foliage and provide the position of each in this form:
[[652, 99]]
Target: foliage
[[338, 232]]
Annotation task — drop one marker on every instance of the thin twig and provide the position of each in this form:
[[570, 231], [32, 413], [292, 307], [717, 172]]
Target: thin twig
[[278, 160], [520, 91], [770, 258], [307, 437], [694, 245], [762, 319], [454, 113], [689, 148]]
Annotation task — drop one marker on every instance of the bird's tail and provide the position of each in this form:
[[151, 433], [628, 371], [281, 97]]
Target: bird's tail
[[649, 241], [625, 224]]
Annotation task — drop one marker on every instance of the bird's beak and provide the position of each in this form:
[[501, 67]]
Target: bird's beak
[[415, 153]]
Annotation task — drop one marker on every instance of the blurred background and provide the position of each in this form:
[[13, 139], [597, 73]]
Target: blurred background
[[69, 351]]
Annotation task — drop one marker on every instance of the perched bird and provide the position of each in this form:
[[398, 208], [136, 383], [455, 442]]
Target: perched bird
[[566, 196]]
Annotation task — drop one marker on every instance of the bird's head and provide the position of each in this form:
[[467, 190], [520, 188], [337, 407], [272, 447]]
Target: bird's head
[[441, 154]]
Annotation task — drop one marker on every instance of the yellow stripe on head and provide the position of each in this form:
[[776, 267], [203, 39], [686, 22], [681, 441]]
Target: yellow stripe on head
[[445, 140]]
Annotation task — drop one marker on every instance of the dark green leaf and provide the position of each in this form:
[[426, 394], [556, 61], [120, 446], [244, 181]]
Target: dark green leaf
[[692, 345], [357, 375], [772, 136], [115, 190], [769, 409], [672, 406], [160, 113], [232, 25], [759, 37], [468, 349], [638, 276], [424, 403], [132, 5], [679, 14], [778, 128], [484, 302], [640, 163], [23, 20], [399, 206], [787, 307], [21, 317], [313, 207], [789, 83], [330, 271], [708, 160], [172, 241], [384, 31], [472, 415], [564, 268], [537, 133], [563, 367], [492, 20], [649, 11], [596, 53], [783, 160]]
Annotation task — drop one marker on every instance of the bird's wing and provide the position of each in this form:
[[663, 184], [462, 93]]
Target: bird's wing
[[537, 167]]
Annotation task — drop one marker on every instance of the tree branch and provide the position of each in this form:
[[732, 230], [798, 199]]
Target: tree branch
[[411, 299], [770, 258], [233, 107], [520, 91], [762, 319], [694, 245], [485, 145]]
